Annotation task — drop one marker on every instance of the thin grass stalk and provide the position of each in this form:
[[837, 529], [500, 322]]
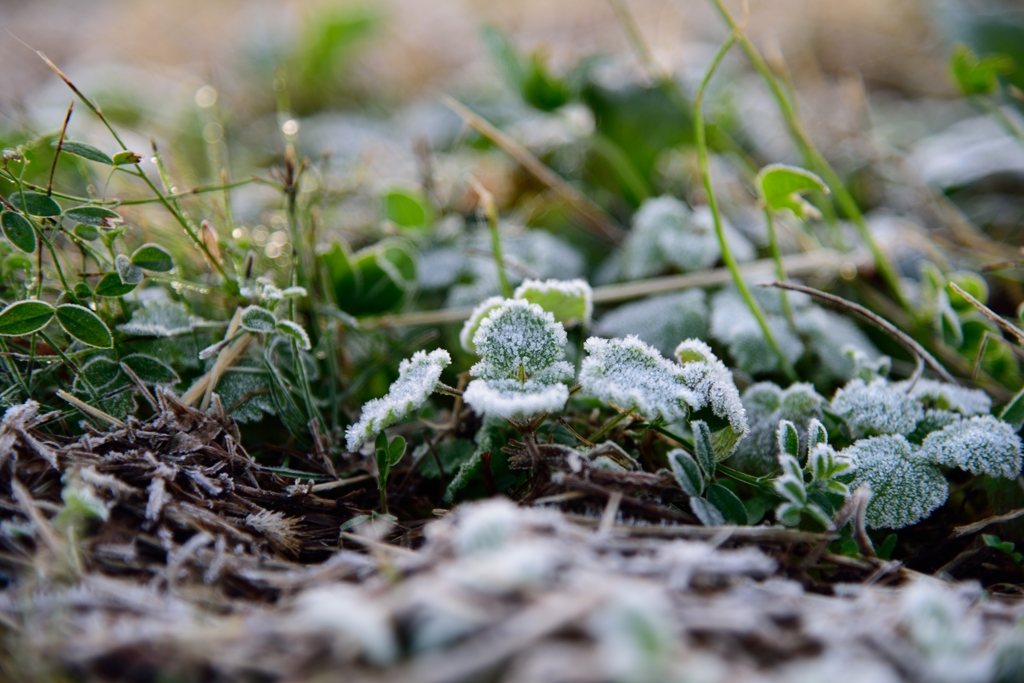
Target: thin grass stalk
[[727, 255]]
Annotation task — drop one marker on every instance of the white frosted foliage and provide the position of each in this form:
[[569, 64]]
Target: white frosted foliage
[[570, 301], [981, 445], [510, 398], [158, 318], [475, 318], [946, 396], [520, 338], [735, 326], [906, 486], [661, 321], [766, 404], [712, 383], [631, 374], [417, 377], [876, 408]]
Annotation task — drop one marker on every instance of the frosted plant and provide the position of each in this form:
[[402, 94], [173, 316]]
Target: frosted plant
[[802, 489], [766, 404], [868, 367], [906, 486], [875, 408], [520, 340], [829, 336], [417, 378], [945, 396], [981, 445], [735, 326], [570, 301], [933, 421], [158, 318], [661, 321], [510, 398], [713, 386], [631, 374], [636, 635], [522, 349], [475, 318]]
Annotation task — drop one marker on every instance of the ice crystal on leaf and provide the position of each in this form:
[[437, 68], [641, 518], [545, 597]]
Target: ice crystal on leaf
[[158, 318], [631, 374], [510, 398], [906, 486], [661, 321], [766, 404], [735, 326], [713, 386], [475, 318], [417, 377], [876, 408], [945, 396], [570, 301], [981, 445], [520, 340]]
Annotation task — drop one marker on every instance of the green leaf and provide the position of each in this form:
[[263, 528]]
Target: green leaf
[[129, 273], [974, 76], [396, 449], [780, 187], [570, 301], [704, 449], [25, 317], [83, 291], [150, 370], [126, 158], [1013, 412], [884, 551], [99, 373], [89, 233], [111, 285], [789, 439], [84, 325], [993, 541], [153, 257], [294, 331], [36, 204], [258, 319], [93, 215], [18, 231], [686, 472], [380, 448], [728, 504], [80, 149], [407, 208], [344, 280]]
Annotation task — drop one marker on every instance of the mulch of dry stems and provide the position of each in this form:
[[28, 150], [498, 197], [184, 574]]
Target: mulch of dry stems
[[209, 563]]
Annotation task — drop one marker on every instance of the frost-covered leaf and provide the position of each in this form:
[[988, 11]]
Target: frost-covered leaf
[[766, 404], [150, 370], [686, 472], [99, 216], [18, 231], [111, 285], [257, 319], [129, 273], [294, 292], [36, 204], [631, 374], [1013, 411], [636, 635], [981, 445], [704, 449], [661, 321], [665, 232], [520, 340], [735, 326], [868, 367], [417, 377], [84, 325], [25, 317], [570, 301], [728, 504], [510, 398], [829, 338], [158, 318], [933, 421], [86, 151], [294, 331], [789, 439], [706, 512], [244, 391], [99, 372], [876, 408], [713, 387], [945, 396], [153, 257], [475, 318], [780, 187], [906, 486]]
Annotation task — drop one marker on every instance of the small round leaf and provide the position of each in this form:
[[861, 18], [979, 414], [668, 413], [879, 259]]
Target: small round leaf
[[407, 208], [258, 319], [18, 231], [25, 317], [126, 158], [111, 285], [93, 215], [780, 187], [153, 257], [89, 233], [129, 273], [36, 204], [83, 291], [84, 325], [294, 331]]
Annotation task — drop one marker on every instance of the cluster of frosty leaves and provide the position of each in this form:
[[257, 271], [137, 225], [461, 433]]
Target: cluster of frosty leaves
[[902, 435]]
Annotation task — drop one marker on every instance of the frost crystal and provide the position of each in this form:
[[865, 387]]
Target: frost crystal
[[981, 445], [829, 337], [244, 390], [712, 384], [417, 377], [519, 338], [735, 326], [158, 318], [665, 232], [631, 374], [661, 321], [876, 408], [945, 396], [510, 398], [570, 301], [906, 486], [475, 318], [766, 404]]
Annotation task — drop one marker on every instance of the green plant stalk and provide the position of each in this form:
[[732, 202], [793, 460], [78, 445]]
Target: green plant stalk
[[727, 255], [996, 112], [815, 159], [12, 368], [610, 425], [491, 211], [780, 271], [71, 364]]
